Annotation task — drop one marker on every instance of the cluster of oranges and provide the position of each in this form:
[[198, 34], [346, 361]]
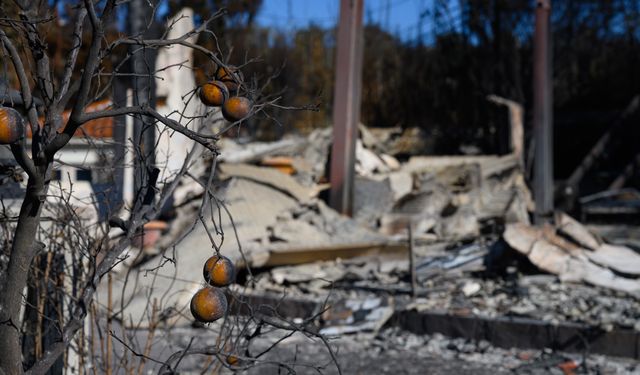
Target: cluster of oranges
[[219, 92], [11, 126], [209, 303], [222, 92]]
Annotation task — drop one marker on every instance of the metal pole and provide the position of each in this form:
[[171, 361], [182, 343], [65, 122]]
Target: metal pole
[[346, 104], [412, 261], [143, 65], [119, 137], [542, 114]]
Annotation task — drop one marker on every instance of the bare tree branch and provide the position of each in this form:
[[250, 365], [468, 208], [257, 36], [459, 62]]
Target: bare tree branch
[[205, 140], [21, 73], [20, 153], [92, 63], [73, 56]]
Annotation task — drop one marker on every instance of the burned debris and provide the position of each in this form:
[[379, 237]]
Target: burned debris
[[177, 199], [436, 245]]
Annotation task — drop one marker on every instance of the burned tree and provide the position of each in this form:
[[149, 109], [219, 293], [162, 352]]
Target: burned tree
[[54, 109]]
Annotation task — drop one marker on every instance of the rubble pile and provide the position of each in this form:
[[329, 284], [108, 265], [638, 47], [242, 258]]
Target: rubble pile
[[438, 354], [446, 235], [474, 251], [520, 361], [457, 284], [442, 198], [541, 297]]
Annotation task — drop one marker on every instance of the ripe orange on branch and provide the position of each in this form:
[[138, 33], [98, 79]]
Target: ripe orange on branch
[[232, 360], [208, 305], [219, 271], [230, 76], [11, 126], [236, 108], [214, 93]]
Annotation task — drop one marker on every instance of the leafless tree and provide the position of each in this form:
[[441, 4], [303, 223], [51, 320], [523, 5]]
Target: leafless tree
[[33, 274]]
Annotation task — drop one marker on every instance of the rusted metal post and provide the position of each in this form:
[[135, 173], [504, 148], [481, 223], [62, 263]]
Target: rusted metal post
[[412, 261], [542, 114], [346, 104]]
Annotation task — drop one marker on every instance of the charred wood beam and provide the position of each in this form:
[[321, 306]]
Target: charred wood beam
[[598, 149], [628, 172]]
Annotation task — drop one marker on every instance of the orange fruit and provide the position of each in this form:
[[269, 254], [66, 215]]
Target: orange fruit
[[11, 126], [208, 305], [214, 93], [236, 108], [230, 76], [219, 271], [232, 360]]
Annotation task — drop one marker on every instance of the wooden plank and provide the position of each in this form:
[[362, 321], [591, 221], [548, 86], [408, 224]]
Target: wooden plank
[[324, 253]]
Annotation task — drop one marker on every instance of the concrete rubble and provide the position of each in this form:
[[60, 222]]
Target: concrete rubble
[[578, 256], [473, 252]]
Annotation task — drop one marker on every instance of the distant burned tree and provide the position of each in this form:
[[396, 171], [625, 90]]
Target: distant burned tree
[[52, 108]]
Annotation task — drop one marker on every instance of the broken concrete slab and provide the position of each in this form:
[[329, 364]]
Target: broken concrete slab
[[591, 273], [295, 232], [619, 258], [254, 207], [371, 199], [306, 272], [569, 262], [576, 231], [401, 184], [269, 176], [255, 151]]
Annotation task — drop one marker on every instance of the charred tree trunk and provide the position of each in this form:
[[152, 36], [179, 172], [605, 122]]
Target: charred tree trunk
[[143, 65], [23, 251], [42, 316]]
